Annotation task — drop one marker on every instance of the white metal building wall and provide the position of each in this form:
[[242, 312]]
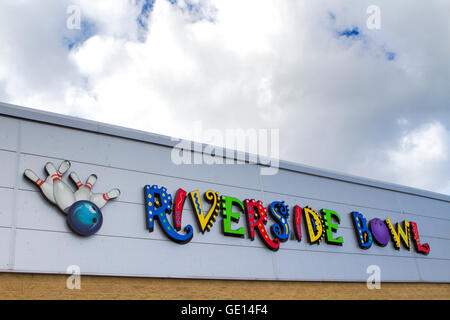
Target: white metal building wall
[[34, 236]]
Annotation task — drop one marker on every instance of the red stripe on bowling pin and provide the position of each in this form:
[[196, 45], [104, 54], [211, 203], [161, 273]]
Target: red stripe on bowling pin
[[46, 185], [64, 196], [100, 199]]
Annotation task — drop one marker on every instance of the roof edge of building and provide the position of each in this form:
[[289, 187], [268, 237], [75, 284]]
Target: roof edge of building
[[25, 113]]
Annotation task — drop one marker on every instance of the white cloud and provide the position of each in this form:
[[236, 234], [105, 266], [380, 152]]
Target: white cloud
[[419, 158], [338, 101]]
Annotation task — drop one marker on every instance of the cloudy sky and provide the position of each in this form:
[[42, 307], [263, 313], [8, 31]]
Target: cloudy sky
[[345, 97]]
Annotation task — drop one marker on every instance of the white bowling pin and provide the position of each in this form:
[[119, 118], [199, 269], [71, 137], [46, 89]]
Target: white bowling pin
[[65, 165], [45, 186], [64, 196], [92, 179], [100, 199], [84, 191]]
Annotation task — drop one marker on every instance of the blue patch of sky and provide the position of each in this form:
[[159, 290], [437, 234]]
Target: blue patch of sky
[[349, 32], [142, 19], [147, 7], [332, 16], [390, 55], [75, 37], [194, 10], [354, 33]]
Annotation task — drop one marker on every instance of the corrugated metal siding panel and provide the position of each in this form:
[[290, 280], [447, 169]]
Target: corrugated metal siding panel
[[42, 241]]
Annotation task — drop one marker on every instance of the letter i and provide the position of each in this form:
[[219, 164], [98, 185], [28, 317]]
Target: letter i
[[298, 222]]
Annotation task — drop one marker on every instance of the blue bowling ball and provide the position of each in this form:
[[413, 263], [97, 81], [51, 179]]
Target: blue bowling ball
[[85, 218]]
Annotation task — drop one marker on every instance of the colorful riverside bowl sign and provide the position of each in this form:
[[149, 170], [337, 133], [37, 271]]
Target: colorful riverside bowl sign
[[82, 208], [320, 225]]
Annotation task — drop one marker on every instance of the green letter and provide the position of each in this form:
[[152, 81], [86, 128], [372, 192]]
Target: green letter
[[229, 215], [330, 227]]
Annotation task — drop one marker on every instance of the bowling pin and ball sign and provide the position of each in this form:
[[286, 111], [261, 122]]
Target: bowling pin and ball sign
[[82, 207]]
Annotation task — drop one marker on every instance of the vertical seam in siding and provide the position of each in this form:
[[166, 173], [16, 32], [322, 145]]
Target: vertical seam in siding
[[12, 247], [412, 249], [272, 254]]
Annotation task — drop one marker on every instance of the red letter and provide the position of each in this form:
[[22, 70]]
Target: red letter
[[256, 210]]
